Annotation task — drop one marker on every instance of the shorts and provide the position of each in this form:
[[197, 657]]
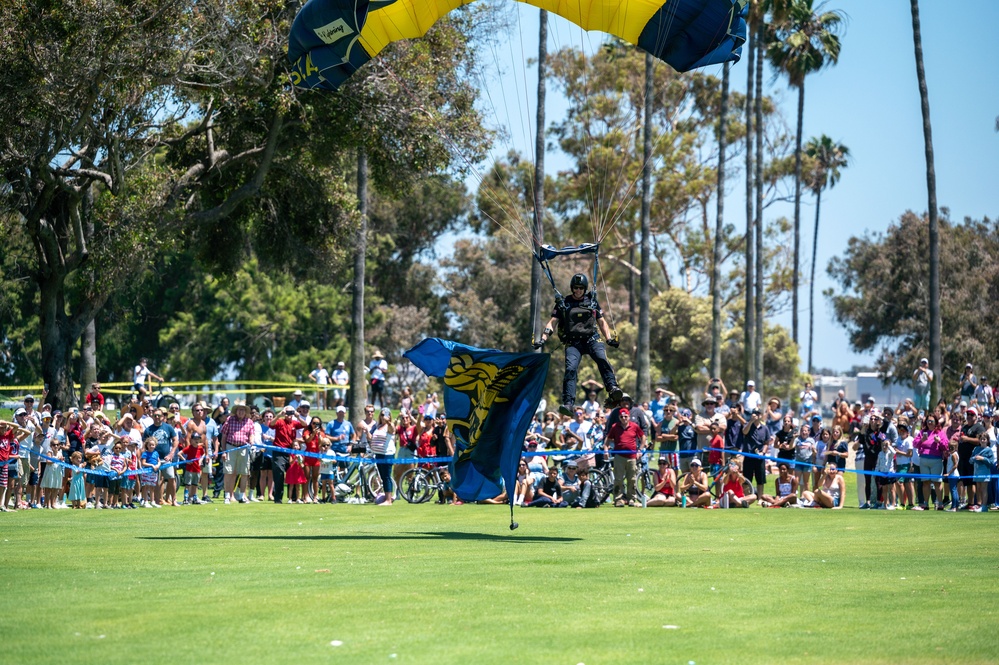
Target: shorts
[[883, 481], [965, 468], [23, 467], [207, 468], [754, 470], [405, 453], [34, 478], [139, 387], [325, 476], [902, 469], [128, 485], [192, 477], [3, 476], [266, 463], [99, 481], [114, 486], [168, 473], [237, 462], [339, 393], [11, 467], [931, 466]]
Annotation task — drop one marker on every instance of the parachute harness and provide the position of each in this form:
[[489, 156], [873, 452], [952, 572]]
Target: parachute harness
[[547, 252]]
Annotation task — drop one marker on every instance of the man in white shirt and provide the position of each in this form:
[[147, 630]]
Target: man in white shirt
[[139, 376], [340, 378], [577, 432], [808, 399], [322, 379], [750, 398]]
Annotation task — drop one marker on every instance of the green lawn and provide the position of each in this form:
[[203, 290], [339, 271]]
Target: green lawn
[[444, 584]]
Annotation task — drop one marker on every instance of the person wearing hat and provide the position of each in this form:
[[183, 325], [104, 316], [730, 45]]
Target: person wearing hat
[[626, 438], [694, 486], [377, 369], [30, 414], [237, 432], [167, 443], [341, 379], [284, 429], [705, 419], [751, 398], [340, 431], [580, 322], [302, 411], [381, 442], [296, 399], [569, 480], [966, 442], [969, 383], [922, 379], [322, 378]]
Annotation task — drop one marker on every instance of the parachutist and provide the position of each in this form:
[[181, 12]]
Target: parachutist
[[580, 323]]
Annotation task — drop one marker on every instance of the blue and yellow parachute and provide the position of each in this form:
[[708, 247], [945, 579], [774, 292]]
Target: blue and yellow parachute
[[331, 39]]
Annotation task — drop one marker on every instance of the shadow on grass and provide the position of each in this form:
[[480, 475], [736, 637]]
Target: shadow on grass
[[432, 535]]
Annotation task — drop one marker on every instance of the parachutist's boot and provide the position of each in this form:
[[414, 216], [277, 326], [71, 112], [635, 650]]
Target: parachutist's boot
[[613, 397], [565, 410]]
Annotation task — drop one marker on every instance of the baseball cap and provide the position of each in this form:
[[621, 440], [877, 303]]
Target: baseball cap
[[427, 416], [20, 411], [968, 366], [972, 411], [695, 461], [386, 412], [756, 412], [751, 383], [341, 409], [340, 364], [573, 464], [289, 409], [297, 393], [708, 400], [305, 402], [816, 417], [923, 361], [29, 398]]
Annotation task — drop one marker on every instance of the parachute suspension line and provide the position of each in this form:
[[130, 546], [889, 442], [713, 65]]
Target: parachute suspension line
[[518, 233]]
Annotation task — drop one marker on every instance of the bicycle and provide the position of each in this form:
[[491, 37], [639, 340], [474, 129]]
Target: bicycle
[[603, 479], [358, 481], [419, 484]]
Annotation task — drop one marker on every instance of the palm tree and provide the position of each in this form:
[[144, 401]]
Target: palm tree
[[827, 159], [803, 40], [716, 309], [936, 356]]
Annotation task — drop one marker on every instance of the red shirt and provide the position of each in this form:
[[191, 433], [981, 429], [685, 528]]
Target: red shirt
[[7, 442], [716, 443], [193, 453], [284, 431], [96, 401], [626, 438], [427, 447]]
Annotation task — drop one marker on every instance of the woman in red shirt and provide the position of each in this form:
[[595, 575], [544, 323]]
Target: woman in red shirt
[[733, 495], [312, 437]]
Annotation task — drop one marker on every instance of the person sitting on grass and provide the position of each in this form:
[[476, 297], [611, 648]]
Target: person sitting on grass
[[664, 493], [733, 495], [524, 493], [787, 489], [695, 486], [830, 492], [569, 480], [587, 494], [549, 493]]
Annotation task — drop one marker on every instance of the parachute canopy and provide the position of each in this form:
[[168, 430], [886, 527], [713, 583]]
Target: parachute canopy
[[331, 39]]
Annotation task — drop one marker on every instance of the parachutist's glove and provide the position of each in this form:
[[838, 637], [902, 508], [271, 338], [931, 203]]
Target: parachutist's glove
[[614, 342], [538, 344]]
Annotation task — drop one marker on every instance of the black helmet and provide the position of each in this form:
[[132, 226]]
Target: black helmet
[[579, 279]]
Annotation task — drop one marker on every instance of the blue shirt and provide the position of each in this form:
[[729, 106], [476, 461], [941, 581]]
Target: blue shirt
[[164, 435], [150, 457], [336, 428]]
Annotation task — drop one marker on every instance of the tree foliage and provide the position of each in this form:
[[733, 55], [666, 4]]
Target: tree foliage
[[883, 295]]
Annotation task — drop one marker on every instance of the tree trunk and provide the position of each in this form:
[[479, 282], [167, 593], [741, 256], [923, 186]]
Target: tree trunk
[[358, 380], [760, 295], [749, 318], [632, 304], [811, 282], [57, 345], [643, 382], [539, 176], [936, 358], [797, 214], [716, 313], [88, 358]]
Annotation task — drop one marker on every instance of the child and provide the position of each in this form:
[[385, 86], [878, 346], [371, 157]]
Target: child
[[11, 436], [117, 464], [295, 478], [132, 464], [733, 495], [77, 492], [52, 480], [886, 483], [804, 451], [716, 458], [193, 452], [984, 458], [328, 463], [903, 460], [150, 464], [951, 461]]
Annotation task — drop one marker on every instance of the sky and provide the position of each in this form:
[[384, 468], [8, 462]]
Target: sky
[[869, 102]]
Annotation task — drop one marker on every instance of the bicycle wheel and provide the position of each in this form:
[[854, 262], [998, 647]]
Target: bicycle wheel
[[164, 401], [415, 486], [372, 482], [646, 482], [603, 483]]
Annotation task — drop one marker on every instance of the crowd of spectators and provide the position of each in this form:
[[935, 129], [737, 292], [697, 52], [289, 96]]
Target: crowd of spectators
[[736, 450]]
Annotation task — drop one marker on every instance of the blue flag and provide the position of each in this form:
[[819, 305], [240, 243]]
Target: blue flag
[[490, 398]]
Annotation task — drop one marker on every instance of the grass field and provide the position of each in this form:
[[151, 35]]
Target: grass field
[[441, 584]]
